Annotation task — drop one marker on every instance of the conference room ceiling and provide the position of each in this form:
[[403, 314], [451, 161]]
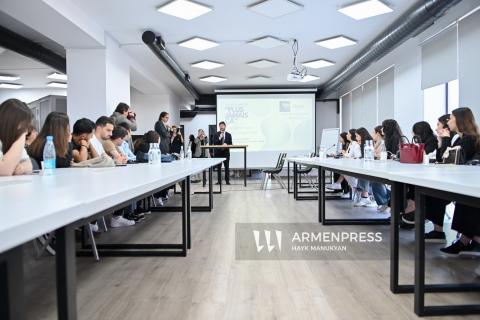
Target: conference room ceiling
[[232, 24]]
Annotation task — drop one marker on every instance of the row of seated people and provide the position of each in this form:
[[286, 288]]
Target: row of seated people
[[21, 149], [456, 132]]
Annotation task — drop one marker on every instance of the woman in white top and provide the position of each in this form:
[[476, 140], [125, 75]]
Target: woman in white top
[[15, 120]]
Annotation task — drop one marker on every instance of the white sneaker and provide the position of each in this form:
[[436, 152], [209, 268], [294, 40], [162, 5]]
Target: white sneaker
[[382, 208], [362, 202], [477, 271], [94, 227], [333, 186], [345, 195], [119, 221], [158, 202]]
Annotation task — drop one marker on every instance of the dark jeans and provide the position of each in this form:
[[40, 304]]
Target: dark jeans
[[435, 210], [226, 163]]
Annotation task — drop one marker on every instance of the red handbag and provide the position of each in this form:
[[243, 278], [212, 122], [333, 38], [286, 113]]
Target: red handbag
[[411, 152]]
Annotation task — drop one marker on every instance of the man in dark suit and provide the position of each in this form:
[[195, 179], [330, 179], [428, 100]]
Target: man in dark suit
[[163, 129], [223, 138]]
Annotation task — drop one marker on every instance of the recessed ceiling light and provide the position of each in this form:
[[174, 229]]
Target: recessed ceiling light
[[262, 64], [8, 77], [336, 42], [10, 85], [213, 79], [267, 42], [207, 65], [365, 9], [55, 84], [322, 63], [57, 76], [309, 78], [275, 8], [184, 9], [197, 43], [259, 78]]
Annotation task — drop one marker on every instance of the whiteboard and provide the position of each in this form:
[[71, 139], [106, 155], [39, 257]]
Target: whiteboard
[[330, 140]]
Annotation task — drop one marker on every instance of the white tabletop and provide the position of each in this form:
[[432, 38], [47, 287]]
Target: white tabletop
[[451, 178], [34, 205]]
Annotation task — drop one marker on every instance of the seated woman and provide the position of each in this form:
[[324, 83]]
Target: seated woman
[[340, 182], [15, 121], [56, 125], [392, 137], [363, 186], [422, 133], [377, 136], [466, 220], [82, 149]]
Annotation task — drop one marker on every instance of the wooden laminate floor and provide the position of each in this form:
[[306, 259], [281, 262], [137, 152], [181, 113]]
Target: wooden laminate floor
[[211, 284]]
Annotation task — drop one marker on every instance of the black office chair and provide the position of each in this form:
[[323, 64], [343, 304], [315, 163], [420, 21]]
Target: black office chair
[[269, 173], [304, 171]]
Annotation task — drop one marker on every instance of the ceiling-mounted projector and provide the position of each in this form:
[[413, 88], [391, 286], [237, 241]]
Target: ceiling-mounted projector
[[296, 74]]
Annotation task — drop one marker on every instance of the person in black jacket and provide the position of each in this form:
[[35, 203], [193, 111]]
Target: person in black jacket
[[466, 219], [163, 129], [223, 138]]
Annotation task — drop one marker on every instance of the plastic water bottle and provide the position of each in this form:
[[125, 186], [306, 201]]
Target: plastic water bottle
[[368, 151], [158, 154], [49, 157], [383, 151], [151, 156], [182, 154], [321, 153]]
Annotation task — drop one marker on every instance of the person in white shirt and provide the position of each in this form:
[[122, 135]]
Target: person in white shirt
[[103, 131]]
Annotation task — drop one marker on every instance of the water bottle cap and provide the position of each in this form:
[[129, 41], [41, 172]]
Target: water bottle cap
[[49, 138]]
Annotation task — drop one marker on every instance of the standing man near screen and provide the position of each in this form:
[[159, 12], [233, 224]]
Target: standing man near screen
[[223, 138]]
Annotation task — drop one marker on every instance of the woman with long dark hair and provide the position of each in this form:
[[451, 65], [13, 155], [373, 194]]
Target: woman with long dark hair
[[56, 125], [466, 219], [377, 136], [339, 183], [15, 121], [393, 136], [379, 190], [363, 186]]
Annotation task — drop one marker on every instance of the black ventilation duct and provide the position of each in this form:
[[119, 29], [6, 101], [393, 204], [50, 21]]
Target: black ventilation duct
[[417, 19], [157, 45], [26, 47]]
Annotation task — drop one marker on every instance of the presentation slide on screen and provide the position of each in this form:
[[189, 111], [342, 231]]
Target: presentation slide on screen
[[269, 124]]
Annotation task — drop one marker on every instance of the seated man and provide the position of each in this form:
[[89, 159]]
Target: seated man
[[126, 144], [82, 134], [103, 131], [112, 145]]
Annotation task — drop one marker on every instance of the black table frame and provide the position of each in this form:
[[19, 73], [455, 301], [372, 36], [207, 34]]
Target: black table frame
[[244, 161], [12, 300]]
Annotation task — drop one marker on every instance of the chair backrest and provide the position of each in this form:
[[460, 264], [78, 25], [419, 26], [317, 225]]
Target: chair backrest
[[281, 161]]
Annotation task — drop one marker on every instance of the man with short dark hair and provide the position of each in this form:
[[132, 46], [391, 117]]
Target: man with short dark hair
[[112, 145], [103, 131], [123, 114], [82, 134], [223, 138]]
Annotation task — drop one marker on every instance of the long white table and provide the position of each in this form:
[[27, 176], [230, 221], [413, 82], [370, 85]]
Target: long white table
[[34, 205], [456, 183]]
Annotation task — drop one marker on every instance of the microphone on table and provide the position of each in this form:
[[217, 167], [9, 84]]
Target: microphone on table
[[328, 149]]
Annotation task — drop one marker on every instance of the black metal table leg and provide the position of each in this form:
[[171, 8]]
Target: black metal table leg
[[210, 188], [12, 297], [288, 177], [295, 187], [396, 207], [185, 229], [245, 166], [321, 194], [66, 273], [188, 187]]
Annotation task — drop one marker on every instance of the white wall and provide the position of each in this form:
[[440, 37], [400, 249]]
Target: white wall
[[118, 76], [29, 95], [200, 121], [326, 116], [148, 108], [406, 59]]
